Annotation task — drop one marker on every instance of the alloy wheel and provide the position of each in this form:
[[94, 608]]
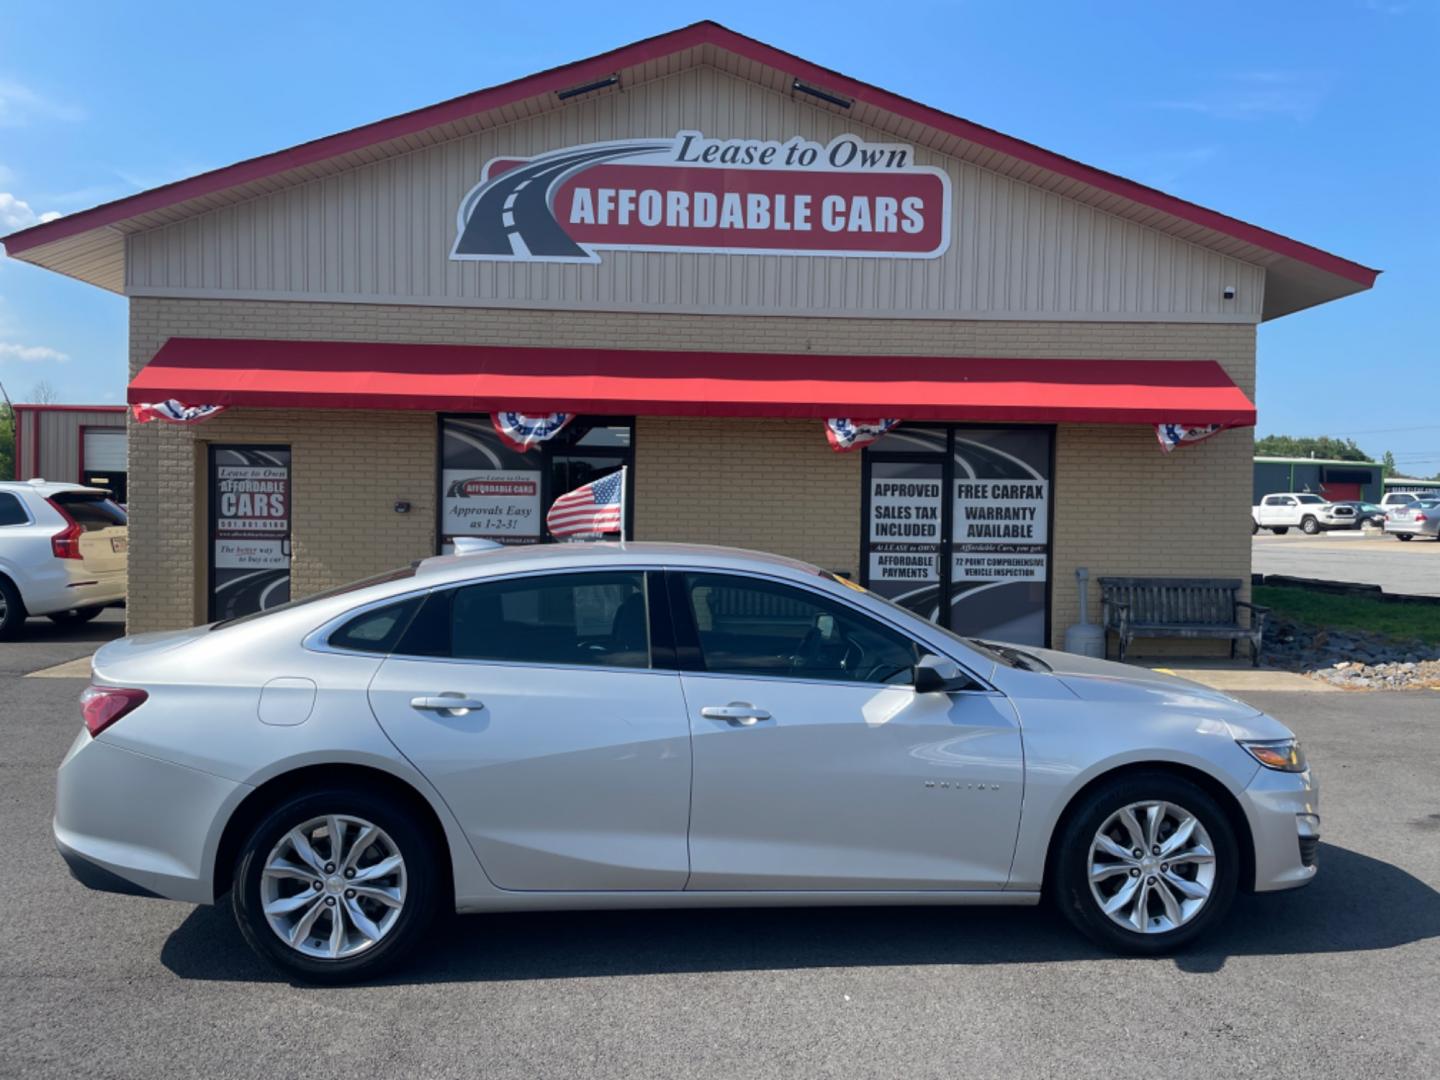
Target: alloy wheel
[[1152, 867], [333, 886]]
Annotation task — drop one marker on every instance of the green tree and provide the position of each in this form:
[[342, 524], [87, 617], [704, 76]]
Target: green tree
[[7, 442], [1387, 465], [1320, 446]]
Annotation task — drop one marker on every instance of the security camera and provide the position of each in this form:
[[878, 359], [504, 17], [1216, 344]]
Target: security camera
[[1229, 292]]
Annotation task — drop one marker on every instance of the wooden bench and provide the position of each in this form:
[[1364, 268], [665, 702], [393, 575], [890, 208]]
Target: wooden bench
[[1190, 608]]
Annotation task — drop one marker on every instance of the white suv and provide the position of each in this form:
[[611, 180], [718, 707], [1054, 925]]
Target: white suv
[[63, 552]]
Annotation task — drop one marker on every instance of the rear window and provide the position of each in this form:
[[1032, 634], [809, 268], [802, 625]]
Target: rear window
[[354, 586], [90, 511], [1309, 498]]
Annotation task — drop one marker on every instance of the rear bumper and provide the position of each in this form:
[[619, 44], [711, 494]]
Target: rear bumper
[[1284, 814], [151, 824], [48, 593]]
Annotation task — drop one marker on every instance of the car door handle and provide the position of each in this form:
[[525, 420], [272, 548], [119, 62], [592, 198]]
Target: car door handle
[[737, 713], [449, 703]]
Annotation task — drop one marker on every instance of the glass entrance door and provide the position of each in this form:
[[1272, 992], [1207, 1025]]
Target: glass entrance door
[[957, 527]]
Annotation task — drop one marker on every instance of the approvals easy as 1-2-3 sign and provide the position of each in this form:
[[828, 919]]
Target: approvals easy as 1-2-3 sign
[[848, 197]]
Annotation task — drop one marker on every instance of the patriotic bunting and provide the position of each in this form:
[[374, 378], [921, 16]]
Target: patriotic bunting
[[172, 412], [1173, 435], [520, 432], [846, 434]]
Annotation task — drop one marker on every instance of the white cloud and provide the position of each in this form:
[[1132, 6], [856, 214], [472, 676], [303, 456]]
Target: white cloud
[[1296, 95], [19, 105], [31, 354], [18, 214]]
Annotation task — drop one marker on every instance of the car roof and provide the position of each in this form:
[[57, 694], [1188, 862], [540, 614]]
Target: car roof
[[47, 487], [518, 558]]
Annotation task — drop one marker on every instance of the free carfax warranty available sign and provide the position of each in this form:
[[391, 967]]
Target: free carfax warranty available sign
[[745, 196]]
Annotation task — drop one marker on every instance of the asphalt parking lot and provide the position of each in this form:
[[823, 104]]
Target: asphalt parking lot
[[1338, 980], [1365, 558]]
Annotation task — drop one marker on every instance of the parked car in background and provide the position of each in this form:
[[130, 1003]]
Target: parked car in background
[[63, 552], [1366, 513], [1420, 518], [579, 726], [1301, 510], [1399, 498]]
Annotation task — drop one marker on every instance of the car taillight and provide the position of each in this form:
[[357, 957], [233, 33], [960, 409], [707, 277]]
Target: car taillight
[[101, 706], [66, 543], [1419, 517]]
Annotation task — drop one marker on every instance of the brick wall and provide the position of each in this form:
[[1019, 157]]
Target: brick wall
[[1121, 505]]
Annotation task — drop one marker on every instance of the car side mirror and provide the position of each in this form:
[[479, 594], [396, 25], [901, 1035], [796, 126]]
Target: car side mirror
[[936, 675]]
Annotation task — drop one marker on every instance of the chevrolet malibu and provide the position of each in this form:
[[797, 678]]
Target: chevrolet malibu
[[655, 725]]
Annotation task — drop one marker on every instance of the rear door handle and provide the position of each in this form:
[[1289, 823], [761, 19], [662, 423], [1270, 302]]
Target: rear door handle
[[449, 703], [737, 713]]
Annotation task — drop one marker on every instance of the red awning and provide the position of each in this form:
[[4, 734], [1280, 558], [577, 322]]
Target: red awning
[[482, 378]]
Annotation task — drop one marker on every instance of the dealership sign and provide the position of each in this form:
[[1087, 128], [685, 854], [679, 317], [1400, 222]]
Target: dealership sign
[[742, 196]]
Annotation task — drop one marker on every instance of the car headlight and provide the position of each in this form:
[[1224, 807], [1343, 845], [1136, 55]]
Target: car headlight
[[1284, 755]]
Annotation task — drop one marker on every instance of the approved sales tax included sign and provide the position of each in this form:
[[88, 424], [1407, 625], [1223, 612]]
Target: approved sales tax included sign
[[849, 197]]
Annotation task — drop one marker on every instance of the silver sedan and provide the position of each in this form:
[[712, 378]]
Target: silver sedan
[[653, 725]]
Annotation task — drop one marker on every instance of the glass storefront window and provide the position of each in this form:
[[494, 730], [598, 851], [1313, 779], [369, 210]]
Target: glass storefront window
[[490, 490]]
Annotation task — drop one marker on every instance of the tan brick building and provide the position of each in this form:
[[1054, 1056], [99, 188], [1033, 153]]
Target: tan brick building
[[702, 249]]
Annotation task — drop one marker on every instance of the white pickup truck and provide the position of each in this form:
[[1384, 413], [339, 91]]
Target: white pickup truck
[[1301, 510]]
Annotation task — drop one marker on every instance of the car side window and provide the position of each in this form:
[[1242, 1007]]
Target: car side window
[[377, 630], [749, 626], [11, 511], [598, 619]]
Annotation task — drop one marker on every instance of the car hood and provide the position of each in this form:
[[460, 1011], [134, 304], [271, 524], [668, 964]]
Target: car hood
[[1104, 680]]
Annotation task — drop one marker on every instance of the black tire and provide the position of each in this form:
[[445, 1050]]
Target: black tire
[[75, 616], [1280, 530], [1404, 536], [13, 617], [1309, 526], [1254, 526], [422, 898], [1071, 862]]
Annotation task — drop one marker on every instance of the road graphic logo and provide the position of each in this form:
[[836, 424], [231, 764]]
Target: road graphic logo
[[849, 197]]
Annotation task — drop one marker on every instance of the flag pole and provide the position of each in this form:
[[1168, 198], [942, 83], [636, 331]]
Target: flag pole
[[624, 499]]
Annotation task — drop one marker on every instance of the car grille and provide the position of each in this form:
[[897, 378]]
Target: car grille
[[1308, 846]]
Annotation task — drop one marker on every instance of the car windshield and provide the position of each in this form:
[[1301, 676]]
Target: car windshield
[[290, 605], [998, 652]]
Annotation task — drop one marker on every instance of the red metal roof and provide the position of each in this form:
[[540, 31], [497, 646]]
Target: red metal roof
[[478, 378], [600, 66]]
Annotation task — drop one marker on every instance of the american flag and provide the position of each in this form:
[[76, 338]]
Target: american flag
[[591, 508]]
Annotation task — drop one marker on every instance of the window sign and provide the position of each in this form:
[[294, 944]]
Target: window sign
[[250, 507], [491, 490], [977, 556], [905, 522]]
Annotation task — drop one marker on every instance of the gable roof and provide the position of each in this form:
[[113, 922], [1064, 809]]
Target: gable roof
[[89, 244]]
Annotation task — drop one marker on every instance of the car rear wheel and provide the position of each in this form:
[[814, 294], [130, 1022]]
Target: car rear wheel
[[1402, 536], [75, 616], [1309, 526], [1146, 864], [1280, 530], [12, 610], [337, 886], [1254, 526]]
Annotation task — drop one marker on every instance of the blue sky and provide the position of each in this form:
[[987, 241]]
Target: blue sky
[[1316, 120]]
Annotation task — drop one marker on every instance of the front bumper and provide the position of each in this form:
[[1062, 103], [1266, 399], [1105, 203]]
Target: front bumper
[[151, 824], [1284, 814]]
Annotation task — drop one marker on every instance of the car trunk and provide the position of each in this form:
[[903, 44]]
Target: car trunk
[[104, 543]]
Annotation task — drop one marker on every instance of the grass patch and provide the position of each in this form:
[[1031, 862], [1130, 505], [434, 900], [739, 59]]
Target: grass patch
[[1403, 621]]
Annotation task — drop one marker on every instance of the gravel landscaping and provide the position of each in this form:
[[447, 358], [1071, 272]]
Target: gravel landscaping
[[1351, 659]]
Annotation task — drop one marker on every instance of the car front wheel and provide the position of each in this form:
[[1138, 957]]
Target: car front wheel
[[336, 886], [1280, 530], [1146, 864], [1310, 526], [1402, 536]]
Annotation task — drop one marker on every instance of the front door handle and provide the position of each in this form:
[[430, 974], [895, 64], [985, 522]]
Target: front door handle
[[737, 713], [448, 703]]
